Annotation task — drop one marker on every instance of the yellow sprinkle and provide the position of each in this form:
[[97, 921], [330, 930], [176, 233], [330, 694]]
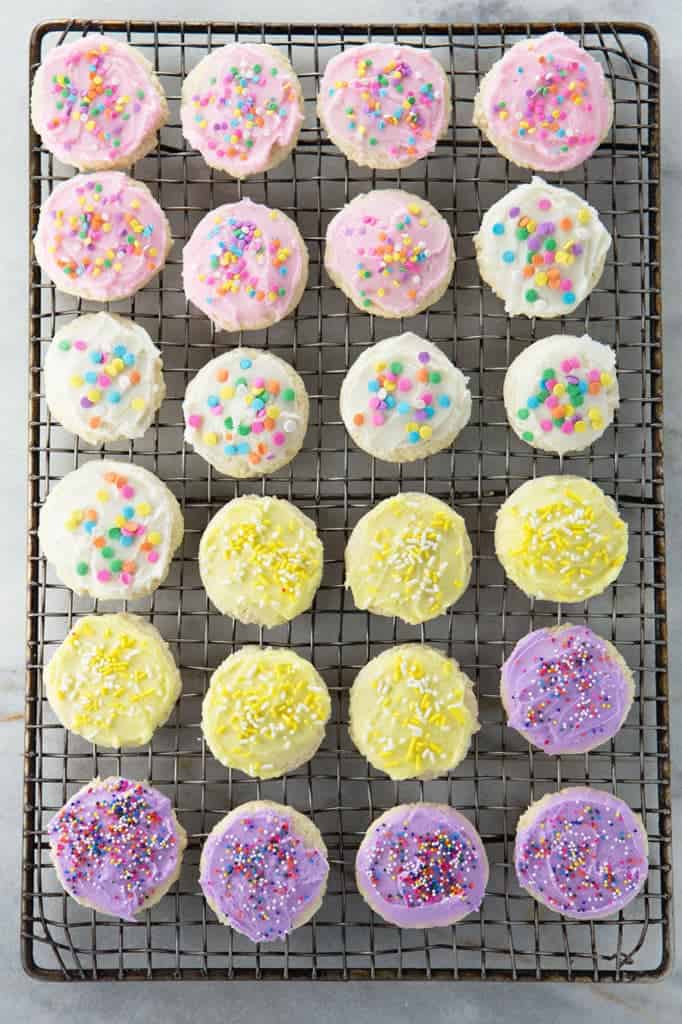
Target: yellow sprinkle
[[210, 438]]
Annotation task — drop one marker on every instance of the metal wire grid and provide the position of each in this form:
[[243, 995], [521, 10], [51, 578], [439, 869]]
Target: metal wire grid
[[512, 937]]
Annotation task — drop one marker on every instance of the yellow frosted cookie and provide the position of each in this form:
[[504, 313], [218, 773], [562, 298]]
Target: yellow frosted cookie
[[265, 711], [113, 680], [409, 556], [260, 560], [413, 712], [560, 538]]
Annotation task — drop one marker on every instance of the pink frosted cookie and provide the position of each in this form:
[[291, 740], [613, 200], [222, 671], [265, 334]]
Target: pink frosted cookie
[[101, 236], [384, 105], [97, 104], [245, 266], [390, 252], [242, 108], [545, 105]]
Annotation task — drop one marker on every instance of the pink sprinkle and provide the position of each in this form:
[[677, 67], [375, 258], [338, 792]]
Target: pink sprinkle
[[127, 491], [259, 382], [404, 384], [257, 427], [544, 204], [567, 427], [566, 285], [103, 380], [427, 397], [103, 575], [378, 419], [548, 256], [550, 384], [217, 410], [552, 402], [374, 402], [153, 556], [194, 420], [80, 345], [594, 375], [126, 577], [566, 365], [278, 438], [390, 376], [546, 425], [576, 363]]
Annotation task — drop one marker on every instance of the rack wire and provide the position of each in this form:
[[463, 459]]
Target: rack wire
[[512, 937]]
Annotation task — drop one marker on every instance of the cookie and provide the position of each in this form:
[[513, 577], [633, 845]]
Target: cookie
[[545, 105], [117, 846], [101, 236], [264, 870], [242, 108], [265, 712], [581, 852], [422, 866], [104, 378], [560, 393], [245, 266], [413, 712], [410, 557], [113, 680], [560, 538], [260, 560], [246, 412], [542, 250], [384, 105], [402, 399], [111, 530], [566, 690], [390, 252], [97, 104]]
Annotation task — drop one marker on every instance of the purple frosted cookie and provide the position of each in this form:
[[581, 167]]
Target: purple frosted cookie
[[566, 689], [422, 866], [264, 870], [117, 846], [581, 852]]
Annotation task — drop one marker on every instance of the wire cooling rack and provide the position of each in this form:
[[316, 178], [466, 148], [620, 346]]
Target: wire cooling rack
[[512, 937]]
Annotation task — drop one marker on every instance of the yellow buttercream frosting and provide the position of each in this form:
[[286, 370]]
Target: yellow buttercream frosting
[[413, 712], [560, 538], [409, 556], [265, 711], [113, 680], [261, 560]]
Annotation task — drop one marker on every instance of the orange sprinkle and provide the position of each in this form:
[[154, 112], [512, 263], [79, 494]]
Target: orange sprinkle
[[134, 377], [273, 387], [99, 542], [594, 387], [528, 270], [268, 423], [358, 419], [565, 223], [91, 514], [222, 374], [95, 422], [422, 374], [129, 566]]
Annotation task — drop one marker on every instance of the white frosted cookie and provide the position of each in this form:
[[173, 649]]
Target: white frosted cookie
[[113, 680], [111, 529], [413, 712], [410, 556], [560, 393], [260, 560], [265, 711], [402, 399], [541, 249], [103, 378], [246, 412]]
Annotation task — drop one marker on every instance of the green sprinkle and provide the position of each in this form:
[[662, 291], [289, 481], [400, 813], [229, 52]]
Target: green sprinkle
[[228, 423], [244, 429], [523, 414], [548, 374], [531, 295], [435, 376], [550, 244], [114, 532], [527, 435], [108, 552], [288, 395], [116, 565], [257, 68], [396, 367], [522, 233], [140, 94], [82, 569], [65, 345]]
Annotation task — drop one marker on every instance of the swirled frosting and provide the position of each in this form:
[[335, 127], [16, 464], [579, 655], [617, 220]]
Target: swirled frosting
[[581, 852], [545, 104], [566, 689], [422, 866]]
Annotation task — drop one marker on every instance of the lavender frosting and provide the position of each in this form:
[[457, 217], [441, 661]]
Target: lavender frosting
[[566, 689], [422, 866]]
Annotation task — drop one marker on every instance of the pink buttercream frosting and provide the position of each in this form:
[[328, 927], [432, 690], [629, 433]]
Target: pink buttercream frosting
[[385, 105], [101, 236], [244, 266], [95, 102], [390, 252], [241, 108], [546, 103]]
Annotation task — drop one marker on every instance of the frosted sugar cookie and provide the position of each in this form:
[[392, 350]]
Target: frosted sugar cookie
[[104, 378], [560, 393], [101, 236], [413, 712], [264, 870], [402, 399], [422, 866], [111, 529], [390, 252], [265, 711], [246, 412], [541, 249], [117, 846], [97, 104], [242, 108], [560, 538], [409, 556], [545, 105], [565, 689], [581, 852], [245, 266], [260, 560], [384, 105], [113, 680]]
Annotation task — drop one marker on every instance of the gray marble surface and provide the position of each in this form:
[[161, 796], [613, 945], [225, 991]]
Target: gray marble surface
[[33, 1002]]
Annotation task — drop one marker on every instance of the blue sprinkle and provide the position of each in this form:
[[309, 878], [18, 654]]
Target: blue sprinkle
[[257, 404], [129, 359], [498, 229], [373, 385], [444, 401], [244, 448], [532, 402], [508, 256], [114, 397], [213, 400], [403, 407], [389, 401], [91, 377], [569, 298], [95, 357], [245, 364], [413, 436], [120, 351], [430, 412], [126, 540], [583, 386], [128, 512], [230, 449], [89, 526]]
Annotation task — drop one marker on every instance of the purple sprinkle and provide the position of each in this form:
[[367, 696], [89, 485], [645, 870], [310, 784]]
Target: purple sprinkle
[[515, 211], [534, 242], [424, 357], [577, 249], [419, 415], [86, 403], [572, 379]]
